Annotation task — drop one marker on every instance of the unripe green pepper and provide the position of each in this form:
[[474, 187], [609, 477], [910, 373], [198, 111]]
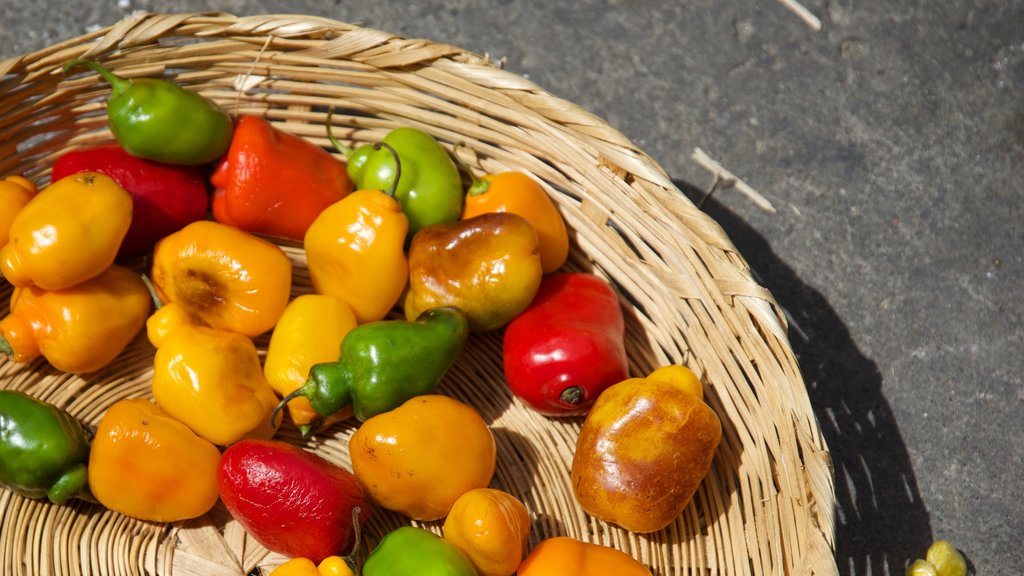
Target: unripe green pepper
[[384, 363], [429, 187], [158, 120], [410, 551], [43, 450]]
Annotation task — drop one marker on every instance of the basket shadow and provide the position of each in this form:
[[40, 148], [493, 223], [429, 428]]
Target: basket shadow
[[881, 522]]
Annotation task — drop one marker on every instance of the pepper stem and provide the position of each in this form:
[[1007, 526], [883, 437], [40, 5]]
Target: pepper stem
[[357, 532], [284, 402], [73, 484], [345, 150], [5, 346], [398, 167], [117, 84], [573, 395], [477, 184]]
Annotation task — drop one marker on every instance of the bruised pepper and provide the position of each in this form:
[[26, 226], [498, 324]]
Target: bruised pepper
[[384, 363]]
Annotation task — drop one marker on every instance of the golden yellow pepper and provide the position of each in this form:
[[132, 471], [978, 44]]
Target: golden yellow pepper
[[223, 277], [211, 380], [78, 329], [68, 233], [147, 465], [355, 252], [309, 331], [15, 193], [330, 566], [491, 528]]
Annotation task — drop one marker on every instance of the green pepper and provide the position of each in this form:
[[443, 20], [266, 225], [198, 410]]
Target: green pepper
[[158, 120], [384, 363], [43, 450], [429, 187], [410, 551]]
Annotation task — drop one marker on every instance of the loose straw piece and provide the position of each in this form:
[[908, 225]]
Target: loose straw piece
[[803, 13], [730, 179]]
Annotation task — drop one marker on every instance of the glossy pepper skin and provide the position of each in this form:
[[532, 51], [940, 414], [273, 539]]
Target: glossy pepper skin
[[79, 329], [147, 465], [429, 187], [223, 277], [44, 451], [644, 449], [158, 120], [488, 267], [291, 500], [68, 233], [310, 331], [165, 197], [211, 380], [567, 346], [419, 458], [274, 182], [520, 194], [562, 555], [411, 551], [491, 528], [15, 193], [382, 364], [330, 566]]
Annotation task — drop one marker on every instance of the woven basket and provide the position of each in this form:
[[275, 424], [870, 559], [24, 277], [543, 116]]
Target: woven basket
[[767, 505]]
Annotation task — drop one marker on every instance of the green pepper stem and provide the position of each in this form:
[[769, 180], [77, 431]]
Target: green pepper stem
[[5, 346], [345, 150], [357, 532], [284, 402], [73, 484], [398, 166], [477, 184], [157, 303], [117, 84]]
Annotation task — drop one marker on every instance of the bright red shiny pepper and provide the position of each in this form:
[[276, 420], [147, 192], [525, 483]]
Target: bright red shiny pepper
[[567, 346]]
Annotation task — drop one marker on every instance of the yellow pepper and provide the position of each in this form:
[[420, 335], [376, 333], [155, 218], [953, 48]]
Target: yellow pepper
[[78, 329], [211, 380], [491, 528], [355, 252], [68, 233], [223, 277], [15, 193], [309, 331], [147, 465], [331, 566]]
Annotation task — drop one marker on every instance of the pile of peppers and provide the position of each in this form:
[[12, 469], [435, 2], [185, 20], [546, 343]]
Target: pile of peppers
[[172, 234]]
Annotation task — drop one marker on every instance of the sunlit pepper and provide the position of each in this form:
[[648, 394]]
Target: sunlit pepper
[[147, 465], [355, 252], [491, 528], [70, 232], [942, 559], [212, 381], [309, 332], [412, 551], [225, 278], [562, 555], [78, 329], [274, 182], [15, 192], [331, 566]]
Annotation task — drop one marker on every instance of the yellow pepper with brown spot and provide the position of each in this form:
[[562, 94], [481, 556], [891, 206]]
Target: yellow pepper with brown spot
[[68, 233]]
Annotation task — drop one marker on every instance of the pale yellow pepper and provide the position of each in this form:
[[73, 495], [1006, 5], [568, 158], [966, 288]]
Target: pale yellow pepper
[[309, 331], [68, 233], [15, 193], [211, 380]]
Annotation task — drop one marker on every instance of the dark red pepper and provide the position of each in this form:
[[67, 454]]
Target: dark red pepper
[[567, 346], [165, 197]]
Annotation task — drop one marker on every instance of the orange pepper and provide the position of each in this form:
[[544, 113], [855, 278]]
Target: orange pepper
[[273, 182], [491, 528], [15, 192], [147, 465], [562, 555], [331, 566], [519, 194]]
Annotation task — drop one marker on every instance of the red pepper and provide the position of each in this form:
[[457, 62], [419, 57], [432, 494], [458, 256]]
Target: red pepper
[[165, 197], [567, 346], [273, 182], [291, 500]]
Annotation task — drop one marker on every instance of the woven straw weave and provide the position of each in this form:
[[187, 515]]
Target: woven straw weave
[[767, 505]]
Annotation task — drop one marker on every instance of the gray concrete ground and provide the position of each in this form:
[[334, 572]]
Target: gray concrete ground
[[891, 141]]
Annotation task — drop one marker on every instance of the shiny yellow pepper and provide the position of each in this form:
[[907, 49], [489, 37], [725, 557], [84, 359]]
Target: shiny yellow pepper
[[78, 329], [330, 566], [15, 193], [68, 233], [211, 380], [355, 252], [223, 277], [145, 464], [491, 527], [309, 331]]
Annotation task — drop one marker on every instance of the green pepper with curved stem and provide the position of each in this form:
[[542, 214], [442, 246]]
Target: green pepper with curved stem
[[412, 551], [384, 363], [158, 120], [43, 450], [429, 186]]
